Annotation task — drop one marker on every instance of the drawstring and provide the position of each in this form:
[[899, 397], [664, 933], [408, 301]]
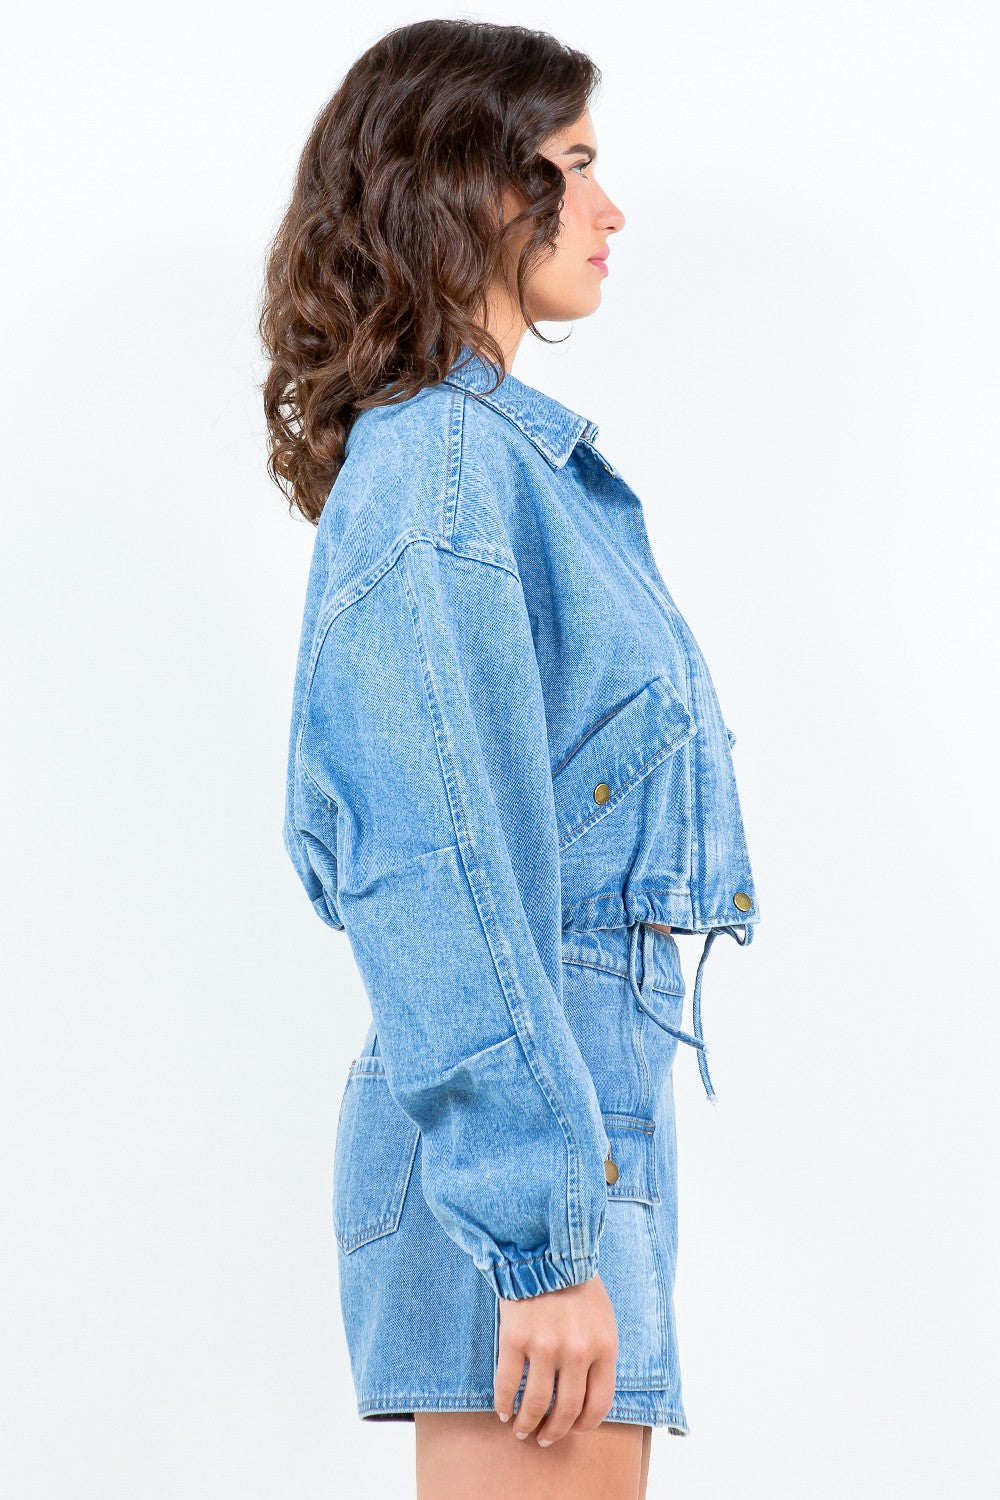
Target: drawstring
[[697, 1040]]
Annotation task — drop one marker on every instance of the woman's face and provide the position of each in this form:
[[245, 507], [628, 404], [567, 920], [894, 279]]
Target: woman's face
[[567, 284]]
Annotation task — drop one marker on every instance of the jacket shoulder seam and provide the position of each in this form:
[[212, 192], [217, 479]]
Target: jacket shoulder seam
[[350, 593]]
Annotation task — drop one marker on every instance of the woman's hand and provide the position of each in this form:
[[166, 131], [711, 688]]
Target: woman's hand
[[571, 1331]]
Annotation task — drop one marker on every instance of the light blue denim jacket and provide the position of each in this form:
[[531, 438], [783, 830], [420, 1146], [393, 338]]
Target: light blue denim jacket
[[502, 729]]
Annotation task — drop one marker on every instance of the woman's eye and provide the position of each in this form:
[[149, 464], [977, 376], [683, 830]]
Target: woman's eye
[[582, 164]]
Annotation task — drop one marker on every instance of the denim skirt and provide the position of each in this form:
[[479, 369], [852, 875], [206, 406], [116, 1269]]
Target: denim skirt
[[422, 1323]]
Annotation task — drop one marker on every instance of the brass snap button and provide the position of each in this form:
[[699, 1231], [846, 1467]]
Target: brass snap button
[[742, 900], [610, 1170], [602, 792]]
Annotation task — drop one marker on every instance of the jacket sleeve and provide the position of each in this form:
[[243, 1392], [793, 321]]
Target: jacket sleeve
[[424, 766]]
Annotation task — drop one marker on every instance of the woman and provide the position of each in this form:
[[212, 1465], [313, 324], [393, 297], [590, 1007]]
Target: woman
[[509, 779]]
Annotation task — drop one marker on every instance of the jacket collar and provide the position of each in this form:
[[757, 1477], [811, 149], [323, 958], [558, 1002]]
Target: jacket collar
[[554, 429]]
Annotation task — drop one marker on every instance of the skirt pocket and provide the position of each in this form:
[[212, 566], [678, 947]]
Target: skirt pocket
[[632, 1164], [631, 1259], [373, 1159]]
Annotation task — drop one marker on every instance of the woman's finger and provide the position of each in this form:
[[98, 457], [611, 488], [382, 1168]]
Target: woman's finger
[[537, 1396]]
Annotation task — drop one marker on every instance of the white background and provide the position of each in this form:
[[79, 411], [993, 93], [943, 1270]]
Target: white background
[[795, 365]]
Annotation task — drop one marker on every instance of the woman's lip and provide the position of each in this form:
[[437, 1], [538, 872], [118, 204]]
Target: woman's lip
[[598, 260]]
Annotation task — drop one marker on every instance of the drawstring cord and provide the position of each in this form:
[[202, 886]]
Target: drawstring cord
[[697, 1040]]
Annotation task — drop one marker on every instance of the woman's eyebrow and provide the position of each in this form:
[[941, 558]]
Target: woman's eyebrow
[[591, 151]]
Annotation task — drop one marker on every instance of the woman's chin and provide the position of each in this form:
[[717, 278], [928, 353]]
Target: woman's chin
[[570, 309]]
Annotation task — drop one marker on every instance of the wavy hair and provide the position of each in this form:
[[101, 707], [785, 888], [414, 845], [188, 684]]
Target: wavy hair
[[380, 270]]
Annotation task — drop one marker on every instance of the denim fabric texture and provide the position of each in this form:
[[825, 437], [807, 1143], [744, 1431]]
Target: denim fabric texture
[[507, 758]]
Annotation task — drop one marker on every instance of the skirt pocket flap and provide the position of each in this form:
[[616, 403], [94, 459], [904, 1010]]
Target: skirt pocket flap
[[633, 1153]]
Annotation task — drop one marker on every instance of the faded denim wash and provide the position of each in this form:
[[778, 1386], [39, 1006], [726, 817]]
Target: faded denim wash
[[506, 758]]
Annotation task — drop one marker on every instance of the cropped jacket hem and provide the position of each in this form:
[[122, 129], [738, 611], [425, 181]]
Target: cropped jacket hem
[[675, 909]]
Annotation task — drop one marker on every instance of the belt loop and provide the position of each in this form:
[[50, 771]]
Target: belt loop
[[648, 938], [633, 943], [632, 938]]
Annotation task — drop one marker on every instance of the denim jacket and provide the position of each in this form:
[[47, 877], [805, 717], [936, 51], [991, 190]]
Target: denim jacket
[[502, 731]]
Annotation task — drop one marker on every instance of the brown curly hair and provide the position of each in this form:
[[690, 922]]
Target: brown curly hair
[[380, 269]]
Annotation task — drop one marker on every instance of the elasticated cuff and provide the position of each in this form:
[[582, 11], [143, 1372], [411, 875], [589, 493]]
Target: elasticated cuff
[[540, 1273]]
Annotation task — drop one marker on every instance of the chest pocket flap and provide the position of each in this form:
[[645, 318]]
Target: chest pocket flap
[[590, 782]]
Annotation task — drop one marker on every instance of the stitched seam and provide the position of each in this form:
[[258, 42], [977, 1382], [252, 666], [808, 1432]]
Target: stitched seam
[[631, 1122], [589, 963], [668, 610], [602, 895], [529, 1260], [634, 1384], [375, 1231], [556, 457], [453, 477]]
